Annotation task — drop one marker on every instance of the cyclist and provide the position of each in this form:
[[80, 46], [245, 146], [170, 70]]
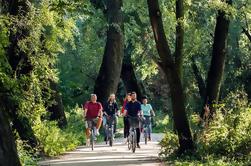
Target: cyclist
[[147, 112], [92, 112], [126, 122], [111, 111], [133, 110]]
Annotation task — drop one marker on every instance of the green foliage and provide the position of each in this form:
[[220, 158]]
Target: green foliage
[[225, 142], [26, 154], [55, 141]]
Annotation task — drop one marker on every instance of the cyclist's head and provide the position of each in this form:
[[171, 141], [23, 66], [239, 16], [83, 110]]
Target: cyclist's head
[[144, 100], [134, 96], [112, 97], [93, 97]]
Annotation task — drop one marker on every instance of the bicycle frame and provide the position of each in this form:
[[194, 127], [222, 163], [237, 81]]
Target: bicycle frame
[[132, 142], [110, 129]]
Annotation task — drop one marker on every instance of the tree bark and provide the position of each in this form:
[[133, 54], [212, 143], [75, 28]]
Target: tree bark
[[110, 70], [199, 79], [8, 151], [216, 69], [21, 65], [179, 38], [246, 32], [169, 67], [128, 75]]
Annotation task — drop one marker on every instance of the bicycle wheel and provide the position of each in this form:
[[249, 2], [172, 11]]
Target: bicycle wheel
[[111, 136], [134, 140], [92, 139], [145, 135], [106, 134], [129, 142]]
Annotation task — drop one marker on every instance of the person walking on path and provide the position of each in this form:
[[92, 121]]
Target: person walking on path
[[133, 111], [92, 112]]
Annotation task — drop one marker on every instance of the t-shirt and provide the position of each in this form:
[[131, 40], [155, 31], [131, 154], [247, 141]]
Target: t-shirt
[[133, 108], [146, 108], [92, 109], [111, 108]]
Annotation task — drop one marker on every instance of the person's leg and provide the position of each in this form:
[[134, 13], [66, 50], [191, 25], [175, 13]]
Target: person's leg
[[99, 123], [138, 135], [115, 124], [127, 127], [88, 132], [124, 120]]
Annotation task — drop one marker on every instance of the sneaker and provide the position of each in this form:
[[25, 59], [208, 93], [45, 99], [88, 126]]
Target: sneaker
[[88, 142], [149, 139], [138, 146]]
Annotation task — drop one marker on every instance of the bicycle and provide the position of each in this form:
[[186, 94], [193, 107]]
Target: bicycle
[[132, 138], [93, 123], [147, 128], [109, 129]]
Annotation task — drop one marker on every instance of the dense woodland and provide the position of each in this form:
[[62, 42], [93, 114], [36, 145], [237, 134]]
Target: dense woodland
[[182, 54]]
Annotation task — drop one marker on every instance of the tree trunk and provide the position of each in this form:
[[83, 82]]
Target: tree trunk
[[216, 69], [128, 75], [199, 79], [169, 67], [246, 32], [110, 70], [21, 65], [57, 107], [8, 151], [179, 38]]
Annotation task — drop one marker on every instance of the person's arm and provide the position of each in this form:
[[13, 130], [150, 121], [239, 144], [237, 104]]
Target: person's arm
[[104, 111], [100, 111], [85, 108], [116, 109], [140, 113], [152, 112], [125, 110]]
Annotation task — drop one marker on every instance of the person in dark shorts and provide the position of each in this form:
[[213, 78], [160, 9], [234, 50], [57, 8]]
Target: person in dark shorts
[[133, 111]]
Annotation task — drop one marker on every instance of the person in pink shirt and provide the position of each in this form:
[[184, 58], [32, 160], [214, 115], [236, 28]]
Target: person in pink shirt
[[92, 112]]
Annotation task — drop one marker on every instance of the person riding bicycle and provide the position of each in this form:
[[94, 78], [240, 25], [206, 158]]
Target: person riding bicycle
[[125, 119], [92, 113], [133, 111], [148, 113], [111, 111]]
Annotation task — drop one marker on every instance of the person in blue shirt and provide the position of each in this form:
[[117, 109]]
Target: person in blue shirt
[[133, 112], [148, 113]]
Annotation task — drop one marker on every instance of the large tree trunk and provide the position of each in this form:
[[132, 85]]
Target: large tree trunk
[[8, 151], [57, 107], [216, 69], [109, 73], [128, 75], [21, 65], [169, 67], [179, 38]]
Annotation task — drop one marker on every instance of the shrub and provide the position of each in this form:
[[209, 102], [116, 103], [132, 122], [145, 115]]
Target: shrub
[[226, 141]]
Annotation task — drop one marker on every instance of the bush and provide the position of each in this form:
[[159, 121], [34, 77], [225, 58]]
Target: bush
[[55, 141], [226, 141], [26, 155]]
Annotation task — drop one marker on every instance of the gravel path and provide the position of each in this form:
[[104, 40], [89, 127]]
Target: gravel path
[[118, 155]]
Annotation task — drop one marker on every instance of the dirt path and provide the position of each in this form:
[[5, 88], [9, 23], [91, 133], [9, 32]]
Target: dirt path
[[118, 155]]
